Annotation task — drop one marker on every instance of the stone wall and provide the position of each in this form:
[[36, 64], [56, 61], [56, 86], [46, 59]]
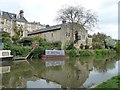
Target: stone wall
[[65, 34]]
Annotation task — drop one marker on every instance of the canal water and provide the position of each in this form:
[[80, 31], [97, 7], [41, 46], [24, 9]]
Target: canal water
[[73, 73]]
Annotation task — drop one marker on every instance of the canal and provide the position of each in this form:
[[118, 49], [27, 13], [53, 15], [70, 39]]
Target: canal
[[73, 73]]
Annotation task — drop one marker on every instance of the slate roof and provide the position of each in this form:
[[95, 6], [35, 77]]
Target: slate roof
[[50, 28], [12, 16]]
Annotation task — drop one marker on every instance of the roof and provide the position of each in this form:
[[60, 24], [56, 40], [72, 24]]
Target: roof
[[36, 23], [12, 16], [50, 28]]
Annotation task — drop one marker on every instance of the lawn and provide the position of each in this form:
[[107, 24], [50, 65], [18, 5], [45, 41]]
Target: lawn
[[114, 82]]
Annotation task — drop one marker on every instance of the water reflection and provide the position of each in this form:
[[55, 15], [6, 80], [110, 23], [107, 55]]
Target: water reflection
[[104, 64], [73, 73], [49, 63], [41, 83], [69, 74]]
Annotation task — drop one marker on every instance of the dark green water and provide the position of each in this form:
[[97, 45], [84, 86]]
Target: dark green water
[[73, 73]]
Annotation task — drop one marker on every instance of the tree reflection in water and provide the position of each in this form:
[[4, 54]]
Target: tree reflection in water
[[104, 64], [72, 74]]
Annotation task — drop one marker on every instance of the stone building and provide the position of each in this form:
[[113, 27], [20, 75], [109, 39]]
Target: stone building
[[63, 33], [34, 26], [10, 21]]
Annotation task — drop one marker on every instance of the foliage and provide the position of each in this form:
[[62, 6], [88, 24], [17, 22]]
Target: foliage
[[26, 38], [6, 40], [104, 52], [56, 45], [72, 53], [98, 40], [65, 46], [18, 32], [96, 53], [109, 42], [97, 45], [38, 51], [27, 41], [85, 53], [43, 45], [20, 50], [15, 39], [18, 35], [36, 39], [117, 48], [5, 34]]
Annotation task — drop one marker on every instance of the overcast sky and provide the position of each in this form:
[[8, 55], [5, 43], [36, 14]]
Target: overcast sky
[[45, 11]]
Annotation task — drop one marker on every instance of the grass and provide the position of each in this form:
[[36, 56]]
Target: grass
[[114, 83]]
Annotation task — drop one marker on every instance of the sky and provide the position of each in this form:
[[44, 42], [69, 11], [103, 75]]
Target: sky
[[45, 12]]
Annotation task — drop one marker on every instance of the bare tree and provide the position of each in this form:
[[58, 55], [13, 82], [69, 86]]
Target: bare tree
[[86, 18]]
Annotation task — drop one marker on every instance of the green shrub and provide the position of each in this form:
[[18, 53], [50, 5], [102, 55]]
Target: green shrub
[[56, 45], [38, 51], [7, 43], [47, 45], [85, 53], [117, 48], [26, 41], [103, 52], [97, 46], [20, 50], [72, 53]]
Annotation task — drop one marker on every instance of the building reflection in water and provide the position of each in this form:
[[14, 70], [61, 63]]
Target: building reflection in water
[[71, 73], [54, 63]]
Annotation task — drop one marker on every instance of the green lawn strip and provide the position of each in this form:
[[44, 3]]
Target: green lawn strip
[[114, 82]]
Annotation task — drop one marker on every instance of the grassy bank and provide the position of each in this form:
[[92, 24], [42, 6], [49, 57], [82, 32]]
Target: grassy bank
[[114, 82], [97, 52]]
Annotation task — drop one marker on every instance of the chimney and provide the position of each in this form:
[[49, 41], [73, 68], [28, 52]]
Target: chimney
[[21, 13]]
